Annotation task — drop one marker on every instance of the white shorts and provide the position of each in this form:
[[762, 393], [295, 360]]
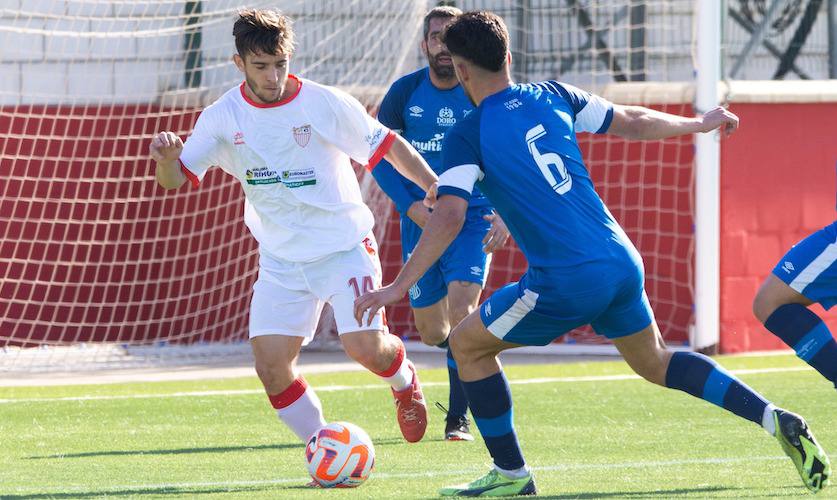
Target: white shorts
[[288, 297]]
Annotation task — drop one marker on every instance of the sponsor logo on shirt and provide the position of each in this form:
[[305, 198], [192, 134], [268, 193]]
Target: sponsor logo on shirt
[[788, 267], [302, 135], [434, 145], [299, 177], [238, 138], [416, 111], [261, 175], [446, 118], [374, 138]]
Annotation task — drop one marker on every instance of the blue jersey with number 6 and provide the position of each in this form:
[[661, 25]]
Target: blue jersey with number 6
[[519, 147]]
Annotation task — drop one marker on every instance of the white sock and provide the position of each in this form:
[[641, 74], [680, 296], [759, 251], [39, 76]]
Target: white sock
[[402, 378], [514, 474], [303, 416], [767, 419]]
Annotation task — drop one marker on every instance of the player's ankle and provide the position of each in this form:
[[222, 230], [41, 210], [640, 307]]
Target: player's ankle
[[518, 473]]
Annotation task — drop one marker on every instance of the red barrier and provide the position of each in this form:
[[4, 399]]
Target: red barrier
[[777, 186]]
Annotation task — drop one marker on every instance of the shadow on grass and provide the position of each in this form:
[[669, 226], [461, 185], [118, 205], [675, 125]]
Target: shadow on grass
[[175, 451], [136, 492], [216, 449]]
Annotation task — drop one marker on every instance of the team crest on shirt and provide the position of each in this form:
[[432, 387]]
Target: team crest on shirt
[[302, 135], [446, 118], [370, 248]]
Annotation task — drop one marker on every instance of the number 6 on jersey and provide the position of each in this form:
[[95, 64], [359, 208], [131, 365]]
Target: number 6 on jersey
[[544, 160]]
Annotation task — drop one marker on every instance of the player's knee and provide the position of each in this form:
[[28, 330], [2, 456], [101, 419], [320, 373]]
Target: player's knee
[[432, 332], [763, 305], [275, 377]]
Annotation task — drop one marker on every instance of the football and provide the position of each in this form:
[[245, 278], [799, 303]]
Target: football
[[340, 455]]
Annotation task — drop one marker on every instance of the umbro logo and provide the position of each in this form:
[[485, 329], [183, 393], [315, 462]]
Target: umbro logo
[[476, 270], [488, 309], [416, 111], [788, 267], [238, 138]]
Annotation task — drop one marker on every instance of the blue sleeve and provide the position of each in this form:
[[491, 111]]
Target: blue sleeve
[[391, 112], [461, 146], [592, 113], [394, 185], [391, 115]]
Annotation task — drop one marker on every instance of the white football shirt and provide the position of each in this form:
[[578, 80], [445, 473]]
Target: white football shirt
[[302, 201]]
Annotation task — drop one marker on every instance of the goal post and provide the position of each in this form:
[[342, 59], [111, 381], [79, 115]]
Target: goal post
[[98, 264]]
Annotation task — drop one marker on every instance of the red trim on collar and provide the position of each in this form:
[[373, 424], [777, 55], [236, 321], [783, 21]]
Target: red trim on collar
[[273, 104]]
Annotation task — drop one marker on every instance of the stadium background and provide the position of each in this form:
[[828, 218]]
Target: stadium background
[[93, 251]]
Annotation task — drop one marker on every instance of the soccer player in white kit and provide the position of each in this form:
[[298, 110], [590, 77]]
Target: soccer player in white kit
[[289, 141]]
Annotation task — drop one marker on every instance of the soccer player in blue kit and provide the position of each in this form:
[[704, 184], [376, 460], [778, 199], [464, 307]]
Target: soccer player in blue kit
[[806, 274], [422, 106], [519, 147]]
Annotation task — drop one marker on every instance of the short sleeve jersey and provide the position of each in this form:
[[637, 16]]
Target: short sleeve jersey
[[423, 114], [291, 158], [520, 148]]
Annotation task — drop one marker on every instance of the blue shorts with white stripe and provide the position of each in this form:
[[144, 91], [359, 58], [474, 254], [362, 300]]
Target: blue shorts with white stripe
[[810, 266], [546, 304]]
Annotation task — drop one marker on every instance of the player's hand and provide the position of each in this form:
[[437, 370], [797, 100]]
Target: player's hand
[[166, 147], [719, 118], [497, 236], [430, 197], [373, 301], [418, 213]]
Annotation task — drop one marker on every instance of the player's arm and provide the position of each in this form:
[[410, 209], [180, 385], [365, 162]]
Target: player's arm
[[165, 149], [442, 227], [409, 163], [637, 122], [394, 185]]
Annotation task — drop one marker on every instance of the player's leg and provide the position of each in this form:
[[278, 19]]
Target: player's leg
[[464, 267], [475, 348], [463, 299], [276, 340], [702, 377], [806, 274], [340, 281]]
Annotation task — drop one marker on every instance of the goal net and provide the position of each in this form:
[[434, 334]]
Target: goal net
[[97, 263]]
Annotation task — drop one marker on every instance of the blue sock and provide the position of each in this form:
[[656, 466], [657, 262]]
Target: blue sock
[[703, 378], [457, 401], [491, 406], [804, 331]]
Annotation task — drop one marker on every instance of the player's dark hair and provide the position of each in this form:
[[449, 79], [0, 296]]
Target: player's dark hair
[[263, 31], [480, 37], [440, 12]]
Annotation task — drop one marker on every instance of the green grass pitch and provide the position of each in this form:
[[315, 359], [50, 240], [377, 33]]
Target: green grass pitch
[[586, 429]]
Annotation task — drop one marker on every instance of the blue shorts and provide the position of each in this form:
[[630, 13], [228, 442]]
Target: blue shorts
[[810, 266], [547, 303], [463, 260]]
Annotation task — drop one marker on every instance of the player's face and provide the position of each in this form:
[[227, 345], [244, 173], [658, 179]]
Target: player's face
[[460, 68], [438, 57], [265, 74]]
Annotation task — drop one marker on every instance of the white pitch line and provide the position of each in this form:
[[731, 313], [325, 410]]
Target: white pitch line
[[338, 388], [405, 475]]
